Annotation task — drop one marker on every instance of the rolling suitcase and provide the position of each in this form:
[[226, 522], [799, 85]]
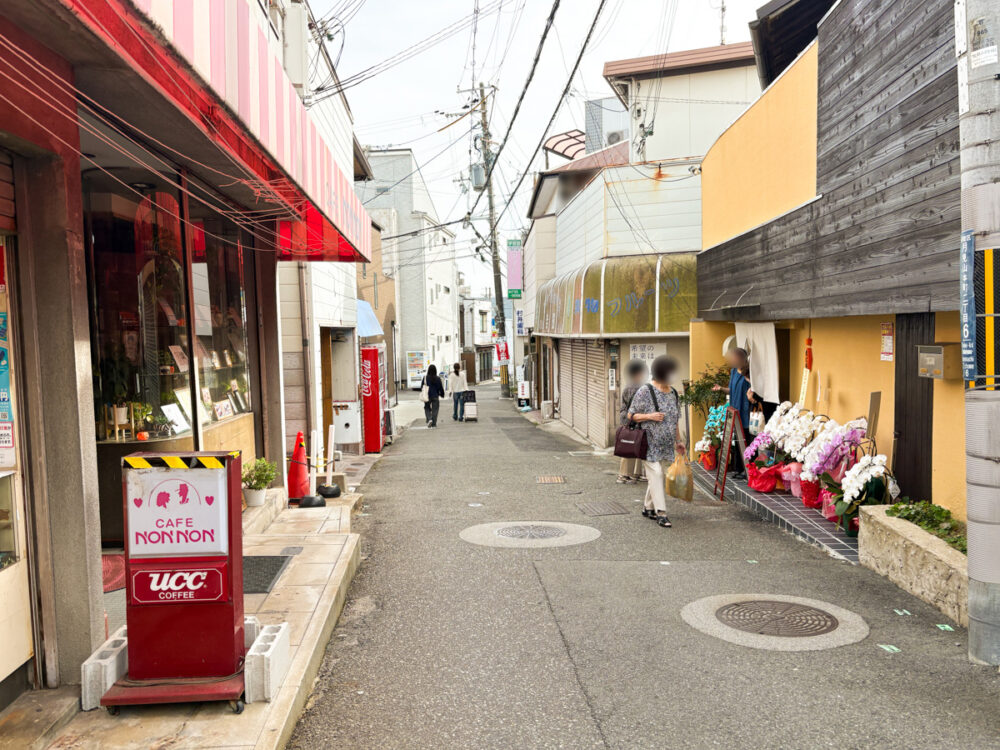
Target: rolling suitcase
[[471, 409]]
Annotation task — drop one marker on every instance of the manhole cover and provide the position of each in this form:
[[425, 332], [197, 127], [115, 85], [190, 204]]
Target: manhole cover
[[550, 480], [775, 622], [530, 531], [602, 509], [785, 619]]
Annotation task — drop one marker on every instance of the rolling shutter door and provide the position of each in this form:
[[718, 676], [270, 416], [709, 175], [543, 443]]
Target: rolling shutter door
[[566, 381], [580, 387], [7, 222], [597, 395]]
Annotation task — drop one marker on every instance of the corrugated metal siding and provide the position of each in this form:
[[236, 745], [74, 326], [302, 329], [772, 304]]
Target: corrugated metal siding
[[566, 381], [597, 395], [580, 387], [580, 229]]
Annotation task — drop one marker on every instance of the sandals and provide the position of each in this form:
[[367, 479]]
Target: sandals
[[664, 522], [649, 513]]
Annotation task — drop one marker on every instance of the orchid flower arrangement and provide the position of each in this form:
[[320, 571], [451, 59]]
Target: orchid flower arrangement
[[834, 447], [811, 452], [759, 443], [864, 482], [713, 429]]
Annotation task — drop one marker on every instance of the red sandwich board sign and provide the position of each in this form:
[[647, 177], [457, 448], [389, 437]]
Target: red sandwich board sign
[[183, 577]]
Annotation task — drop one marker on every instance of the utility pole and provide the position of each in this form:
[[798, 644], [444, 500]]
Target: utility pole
[[977, 34], [497, 278]]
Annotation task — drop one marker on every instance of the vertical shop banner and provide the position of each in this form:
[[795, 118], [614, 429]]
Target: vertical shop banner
[[503, 353], [519, 325], [888, 342], [515, 271], [967, 306], [8, 458]]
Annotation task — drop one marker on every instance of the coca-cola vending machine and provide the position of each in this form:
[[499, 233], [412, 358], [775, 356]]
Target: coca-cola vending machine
[[374, 396], [183, 578]]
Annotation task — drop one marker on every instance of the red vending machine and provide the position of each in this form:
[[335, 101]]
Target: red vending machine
[[374, 396], [184, 579]]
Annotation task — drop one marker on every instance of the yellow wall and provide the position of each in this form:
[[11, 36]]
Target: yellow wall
[[765, 163], [706, 350], [846, 369], [948, 469]]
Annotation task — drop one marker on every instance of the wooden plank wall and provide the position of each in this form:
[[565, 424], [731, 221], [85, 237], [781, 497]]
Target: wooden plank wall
[[883, 236]]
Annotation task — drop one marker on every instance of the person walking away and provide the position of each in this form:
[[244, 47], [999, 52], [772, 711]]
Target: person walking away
[[656, 408], [435, 392], [457, 386], [739, 396], [630, 469]]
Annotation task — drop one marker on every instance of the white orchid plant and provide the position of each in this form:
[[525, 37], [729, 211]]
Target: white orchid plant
[[865, 482]]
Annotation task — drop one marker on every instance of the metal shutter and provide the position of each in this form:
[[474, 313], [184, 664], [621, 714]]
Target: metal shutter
[[7, 221], [580, 387], [565, 381], [597, 395]]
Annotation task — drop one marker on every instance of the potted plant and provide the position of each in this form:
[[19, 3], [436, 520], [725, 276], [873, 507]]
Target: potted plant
[[116, 374], [865, 482], [257, 477], [699, 394]]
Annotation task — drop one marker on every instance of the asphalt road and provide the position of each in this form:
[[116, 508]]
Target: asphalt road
[[445, 644]]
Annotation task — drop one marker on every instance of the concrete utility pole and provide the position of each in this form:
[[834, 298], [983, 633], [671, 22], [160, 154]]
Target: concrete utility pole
[[977, 31], [497, 278]]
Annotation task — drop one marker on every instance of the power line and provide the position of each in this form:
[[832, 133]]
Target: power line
[[555, 111], [520, 98]]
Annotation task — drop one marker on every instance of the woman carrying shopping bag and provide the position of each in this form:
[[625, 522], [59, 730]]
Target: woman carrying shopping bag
[[656, 408]]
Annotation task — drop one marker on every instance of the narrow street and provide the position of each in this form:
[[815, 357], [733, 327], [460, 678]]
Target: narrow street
[[448, 644]]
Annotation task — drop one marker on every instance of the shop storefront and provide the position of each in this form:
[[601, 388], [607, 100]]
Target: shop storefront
[[598, 317], [174, 340]]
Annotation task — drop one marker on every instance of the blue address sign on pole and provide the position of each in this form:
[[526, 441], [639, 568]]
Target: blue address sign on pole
[[967, 302]]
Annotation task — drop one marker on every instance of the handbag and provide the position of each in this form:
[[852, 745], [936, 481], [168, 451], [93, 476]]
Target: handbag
[[425, 391], [756, 422], [630, 439]]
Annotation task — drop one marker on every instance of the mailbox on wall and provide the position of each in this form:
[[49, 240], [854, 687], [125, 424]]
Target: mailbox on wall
[[184, 578]]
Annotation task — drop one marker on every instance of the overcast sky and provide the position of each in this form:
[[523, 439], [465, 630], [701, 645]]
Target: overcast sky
[[398, 107]]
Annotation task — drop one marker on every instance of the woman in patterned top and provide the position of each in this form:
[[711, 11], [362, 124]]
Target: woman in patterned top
[[656, 408]]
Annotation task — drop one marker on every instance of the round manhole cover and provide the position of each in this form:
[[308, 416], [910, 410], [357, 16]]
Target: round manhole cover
[[785, 619], [775, 622], [530, 531]]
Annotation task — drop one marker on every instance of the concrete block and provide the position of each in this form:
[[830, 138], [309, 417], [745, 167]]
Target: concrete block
[[104, 667], [267, 663], [251, 629], [339, 477]]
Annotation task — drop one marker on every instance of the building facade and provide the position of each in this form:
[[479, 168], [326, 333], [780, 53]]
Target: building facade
[[610, 255], [140, 147], [831, 217], [424, 261]]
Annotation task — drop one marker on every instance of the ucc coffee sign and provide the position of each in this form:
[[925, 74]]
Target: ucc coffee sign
[[176, 513], [156, 586]]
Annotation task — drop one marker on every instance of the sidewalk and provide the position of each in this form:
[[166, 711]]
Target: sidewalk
[[309, 595]]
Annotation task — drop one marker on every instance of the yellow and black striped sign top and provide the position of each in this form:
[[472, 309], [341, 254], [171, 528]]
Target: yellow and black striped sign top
[[189, 461]]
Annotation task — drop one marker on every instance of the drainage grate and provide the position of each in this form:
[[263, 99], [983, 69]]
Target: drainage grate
[[261, 571], [786, 619], [550, 480], [602, 509], [530, 531]]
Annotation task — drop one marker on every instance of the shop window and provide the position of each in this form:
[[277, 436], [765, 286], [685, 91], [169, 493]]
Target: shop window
[[8, 521], [140, 342]]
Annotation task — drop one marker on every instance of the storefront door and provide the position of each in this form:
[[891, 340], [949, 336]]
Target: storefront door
[[16, 639]]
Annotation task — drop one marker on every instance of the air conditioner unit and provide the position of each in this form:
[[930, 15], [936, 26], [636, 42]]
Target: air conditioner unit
[[615, 136]]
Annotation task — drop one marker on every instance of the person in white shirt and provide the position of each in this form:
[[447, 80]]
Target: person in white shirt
[[458, 385]]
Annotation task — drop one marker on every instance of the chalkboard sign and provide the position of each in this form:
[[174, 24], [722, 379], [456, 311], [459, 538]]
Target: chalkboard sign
[[731, 426]]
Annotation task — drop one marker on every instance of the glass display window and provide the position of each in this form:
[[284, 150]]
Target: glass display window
[[140, 333]]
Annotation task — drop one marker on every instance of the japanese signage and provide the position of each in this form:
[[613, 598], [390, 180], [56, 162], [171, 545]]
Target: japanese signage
[[503, 353], [177, 512], [888, 342], [515, 274], [646, 352], [967, 306], [519, 322]]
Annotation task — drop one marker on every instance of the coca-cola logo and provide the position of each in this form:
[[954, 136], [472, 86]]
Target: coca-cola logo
[[366, 378]]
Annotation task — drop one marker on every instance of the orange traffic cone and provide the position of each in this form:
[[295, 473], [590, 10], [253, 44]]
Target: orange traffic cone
[[298, 473]]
